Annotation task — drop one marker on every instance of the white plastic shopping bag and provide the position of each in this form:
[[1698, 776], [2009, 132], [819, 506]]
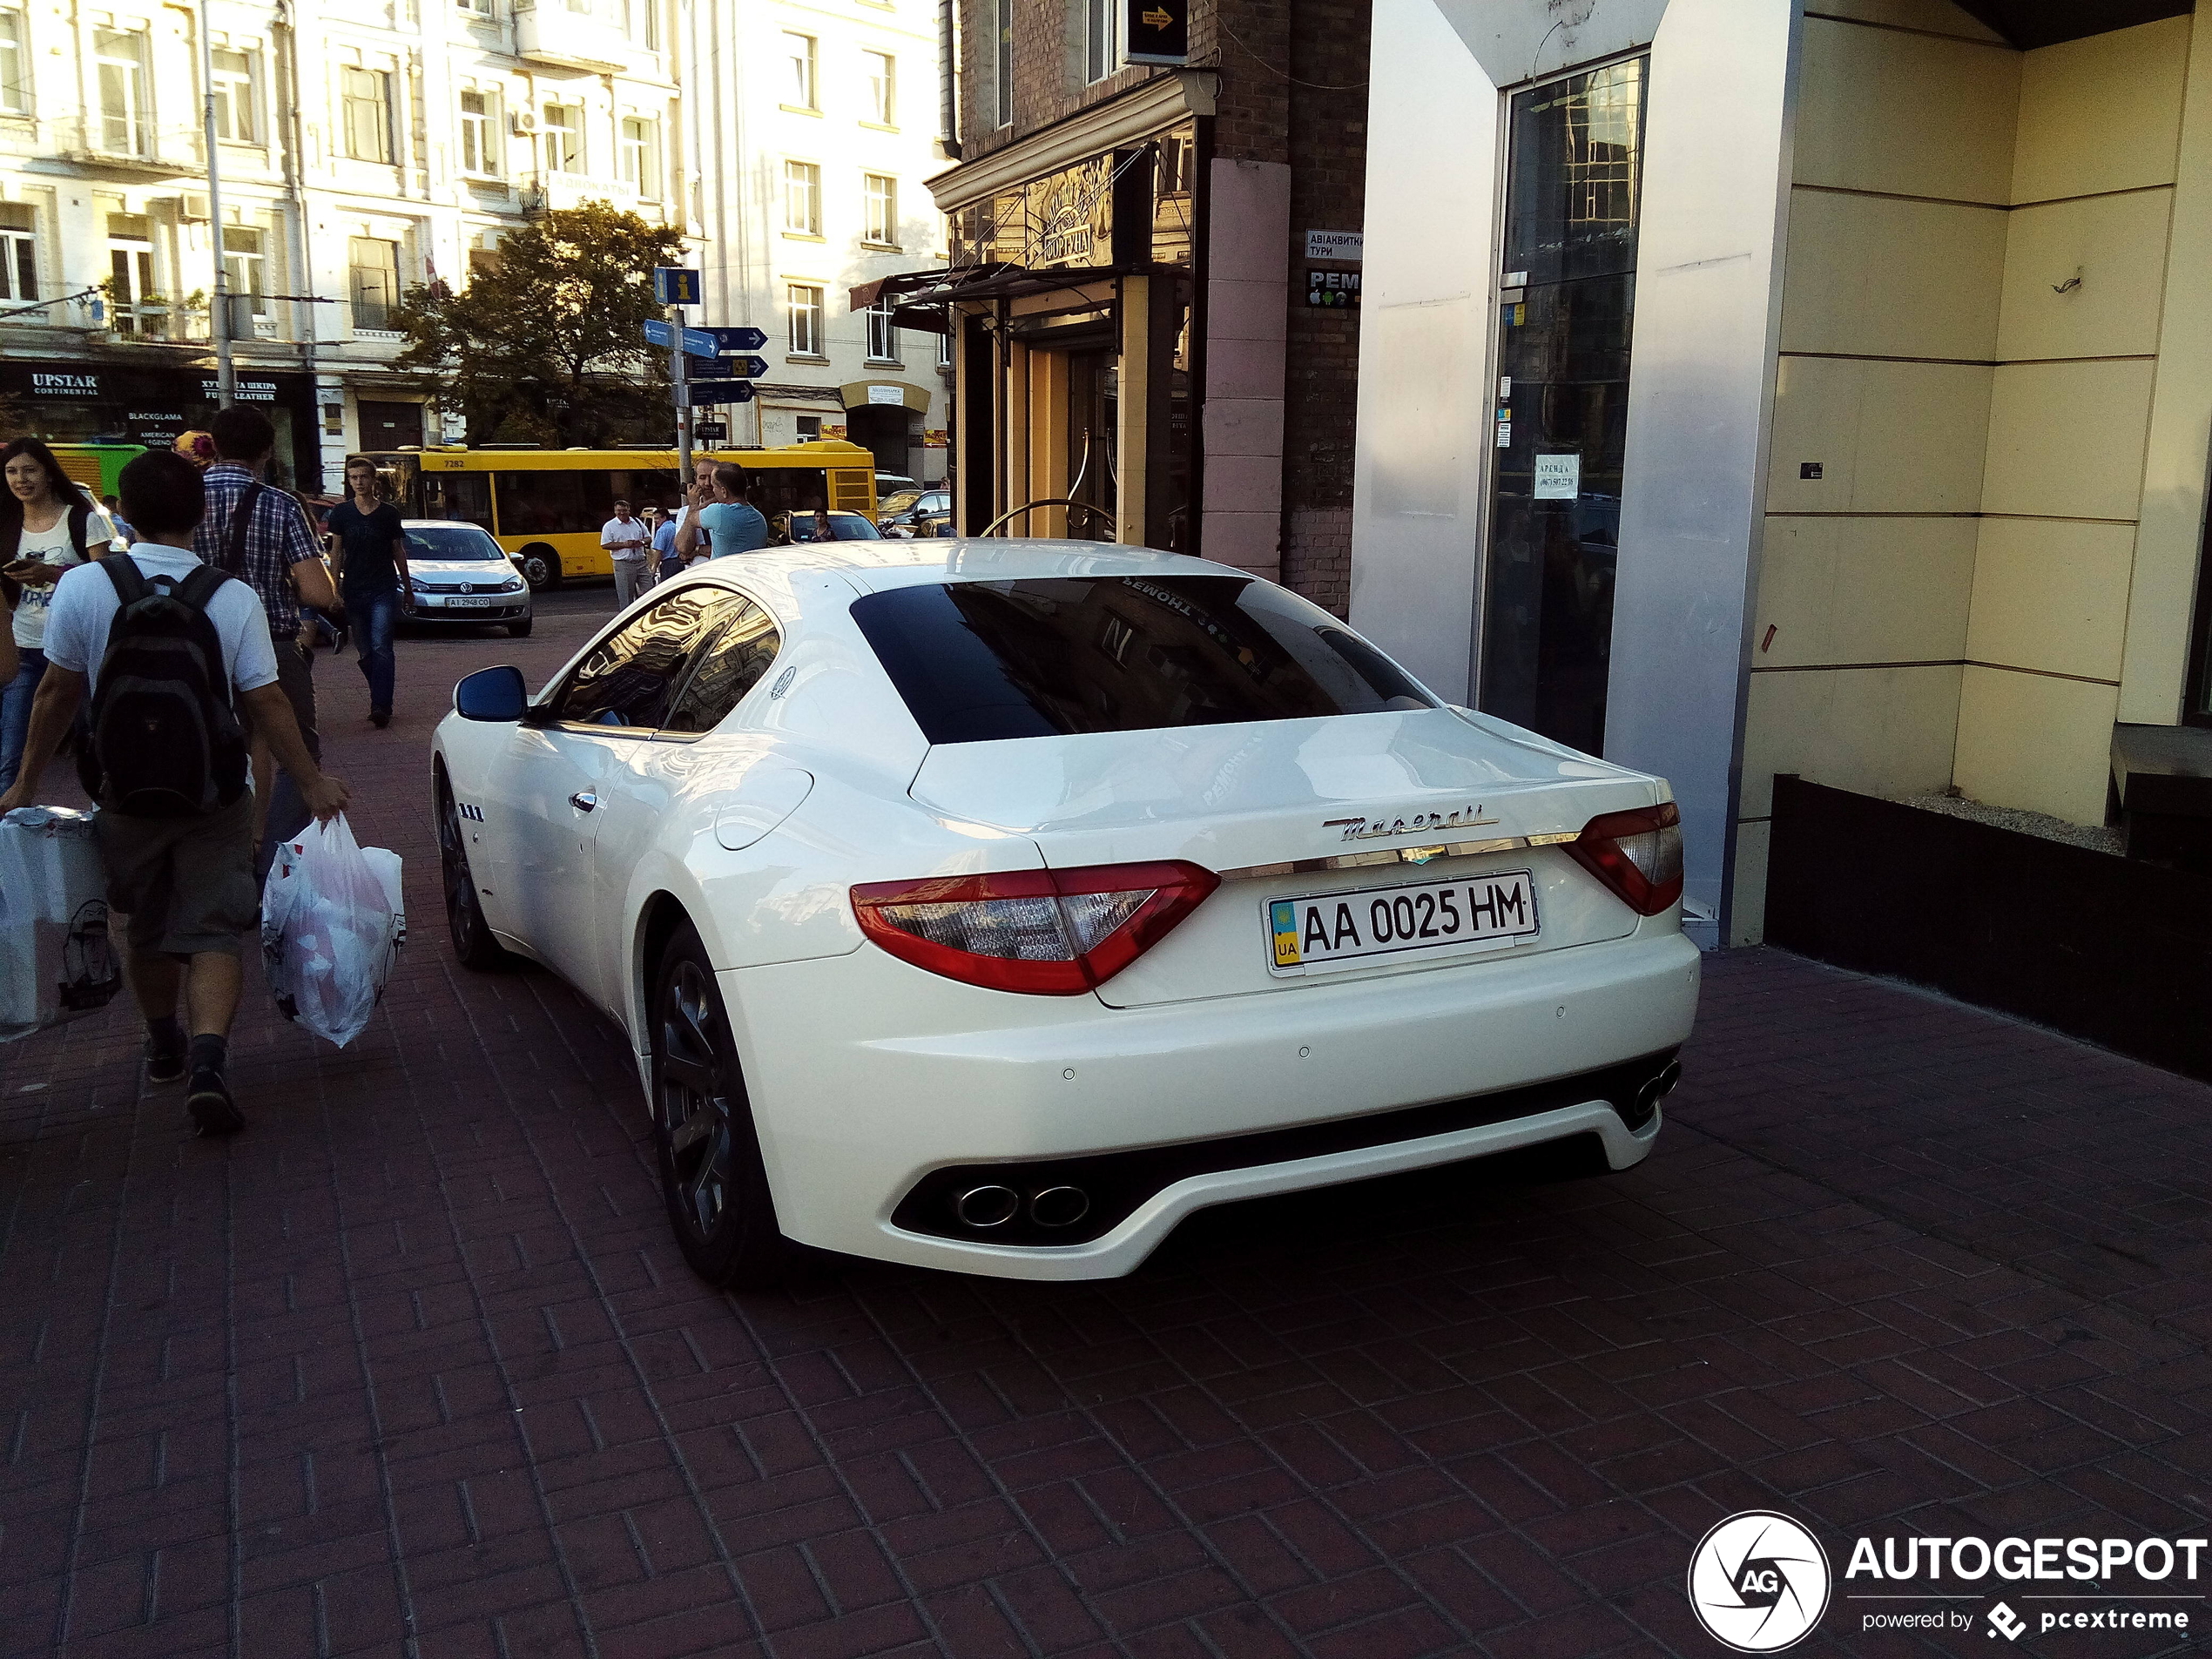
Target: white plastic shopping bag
[[330, 920], [55, 960]]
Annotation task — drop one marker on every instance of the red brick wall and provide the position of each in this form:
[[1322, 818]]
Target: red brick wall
[[1292, 89]]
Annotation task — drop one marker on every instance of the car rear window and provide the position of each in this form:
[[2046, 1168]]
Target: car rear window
[[977, 661]]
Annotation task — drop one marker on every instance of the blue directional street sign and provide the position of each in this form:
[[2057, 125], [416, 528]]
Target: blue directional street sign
[[697, 341], [706, 391], [732, 340], [674, 286], [750, 367]]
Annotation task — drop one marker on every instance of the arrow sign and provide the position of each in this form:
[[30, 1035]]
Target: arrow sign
[[704, 393], [745, 368], [732, 339], [1158, 32], [697, 341]]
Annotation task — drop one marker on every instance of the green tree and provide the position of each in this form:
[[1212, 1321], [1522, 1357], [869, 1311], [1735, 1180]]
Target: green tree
[[546, 344]]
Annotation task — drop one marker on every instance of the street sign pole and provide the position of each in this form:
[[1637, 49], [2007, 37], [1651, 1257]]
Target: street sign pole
[[678, 365], [220, 313]]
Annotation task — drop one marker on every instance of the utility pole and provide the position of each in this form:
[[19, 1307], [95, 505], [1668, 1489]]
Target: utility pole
[[677, 367], [220, 313]]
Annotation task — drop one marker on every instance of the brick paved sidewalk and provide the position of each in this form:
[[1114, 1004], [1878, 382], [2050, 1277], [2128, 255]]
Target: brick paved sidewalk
[[414, 1365]]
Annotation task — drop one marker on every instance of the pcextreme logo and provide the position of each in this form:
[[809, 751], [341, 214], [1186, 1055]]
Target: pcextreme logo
[[1758, 1582]]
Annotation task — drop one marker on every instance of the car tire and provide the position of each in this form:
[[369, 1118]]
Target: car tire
[[712, 1175], [473, 944], [541, 568], [519, 630]]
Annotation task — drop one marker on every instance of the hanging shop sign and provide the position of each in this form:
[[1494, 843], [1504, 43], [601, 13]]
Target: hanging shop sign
[[1156, 32], [1069, 218], [1333, 288]]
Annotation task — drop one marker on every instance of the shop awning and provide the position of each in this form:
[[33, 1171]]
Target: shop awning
[[919, 297]]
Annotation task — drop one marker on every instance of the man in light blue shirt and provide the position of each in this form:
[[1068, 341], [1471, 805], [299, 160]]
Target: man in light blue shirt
[[729, 523]]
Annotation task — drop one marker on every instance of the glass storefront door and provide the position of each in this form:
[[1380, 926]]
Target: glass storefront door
[[1572, 194]]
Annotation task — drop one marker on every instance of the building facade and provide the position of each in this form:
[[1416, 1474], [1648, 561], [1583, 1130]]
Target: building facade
[[363, 150], [1757, 388], [1134, 331]]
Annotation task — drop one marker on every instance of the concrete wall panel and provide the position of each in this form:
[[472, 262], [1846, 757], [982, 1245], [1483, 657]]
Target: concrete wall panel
[[1873, 276], [2066, 439], [2034, 741], [2116, 246], [1889, 437], [2103, 113], [1879, 730], [1916, 115], [1863, 591], [2051, 593]]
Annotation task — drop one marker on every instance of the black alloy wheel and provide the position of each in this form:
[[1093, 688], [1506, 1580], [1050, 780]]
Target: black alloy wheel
[[541, 568], [710, 1171], [473, 944]]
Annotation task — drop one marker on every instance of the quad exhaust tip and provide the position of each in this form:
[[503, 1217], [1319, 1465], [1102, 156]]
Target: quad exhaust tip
[[1658, 1088]]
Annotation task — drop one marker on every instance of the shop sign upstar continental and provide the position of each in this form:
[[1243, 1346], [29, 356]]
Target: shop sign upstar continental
[[1760, 1581], [1156, 32]]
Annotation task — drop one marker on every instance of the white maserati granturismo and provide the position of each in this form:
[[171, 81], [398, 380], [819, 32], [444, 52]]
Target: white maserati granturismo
[[993, 905]]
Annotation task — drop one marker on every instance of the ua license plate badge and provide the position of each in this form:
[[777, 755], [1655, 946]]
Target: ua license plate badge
[[1323, 932]]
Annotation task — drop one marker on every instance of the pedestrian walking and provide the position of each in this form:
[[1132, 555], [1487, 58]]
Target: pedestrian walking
[[368, 556], [197, 447], [667, 562], [261, 535], [170, 651], [47, 524], [701, 490], [627, 542], [724, 522]]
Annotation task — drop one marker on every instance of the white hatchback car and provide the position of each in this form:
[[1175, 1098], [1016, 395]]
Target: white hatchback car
[[993, 905]]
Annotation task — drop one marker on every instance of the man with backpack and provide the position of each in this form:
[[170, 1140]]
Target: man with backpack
[[261, 535], [170, 652]]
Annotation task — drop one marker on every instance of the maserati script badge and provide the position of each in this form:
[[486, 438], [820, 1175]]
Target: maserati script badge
[[1368, 829]]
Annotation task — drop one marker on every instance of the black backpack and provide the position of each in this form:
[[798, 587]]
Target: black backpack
[[161, 738]]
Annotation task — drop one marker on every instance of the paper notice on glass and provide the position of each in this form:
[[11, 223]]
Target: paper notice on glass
[[1559, 477]]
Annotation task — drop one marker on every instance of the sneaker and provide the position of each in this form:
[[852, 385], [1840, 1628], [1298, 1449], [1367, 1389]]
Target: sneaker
[[380, 718], [165, 1062], [213, 1111]]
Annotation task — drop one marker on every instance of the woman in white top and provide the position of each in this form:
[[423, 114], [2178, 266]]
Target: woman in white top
[[47, 524]]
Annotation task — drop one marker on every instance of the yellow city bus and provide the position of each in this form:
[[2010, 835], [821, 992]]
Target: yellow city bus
[[546, 507]]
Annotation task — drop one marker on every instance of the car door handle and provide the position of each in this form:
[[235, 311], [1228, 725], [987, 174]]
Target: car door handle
[[585, 801]]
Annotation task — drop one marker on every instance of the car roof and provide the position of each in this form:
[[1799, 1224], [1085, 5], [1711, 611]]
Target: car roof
[[874, 567]]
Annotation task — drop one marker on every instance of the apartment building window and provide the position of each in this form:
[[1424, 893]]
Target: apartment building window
[[474, 8], [15, 63], [18, 252], [366, 97], [245, 268], [882, 214], [799, 78], [130, 262], [641, 156], [883, 88], [126, 127], [1002, 62], [375, 275], [236, 108], [1102, 42], [564, 138], [883, 336], [480, 145], [805, 304], [802, 199], [641, 21]]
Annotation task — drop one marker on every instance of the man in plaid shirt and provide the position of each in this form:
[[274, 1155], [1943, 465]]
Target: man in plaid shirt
[[276, 556]]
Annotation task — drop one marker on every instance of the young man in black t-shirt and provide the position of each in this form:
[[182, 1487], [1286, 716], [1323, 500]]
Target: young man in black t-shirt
[[368, 550]]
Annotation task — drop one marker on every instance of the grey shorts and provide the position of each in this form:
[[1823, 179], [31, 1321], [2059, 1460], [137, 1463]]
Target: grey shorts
[[186, 884]]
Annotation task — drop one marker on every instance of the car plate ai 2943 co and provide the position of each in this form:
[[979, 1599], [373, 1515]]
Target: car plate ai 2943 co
[[1321, 932]]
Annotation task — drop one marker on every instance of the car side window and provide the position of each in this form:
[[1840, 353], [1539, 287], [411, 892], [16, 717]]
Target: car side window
[[731, 664], [628, 679]]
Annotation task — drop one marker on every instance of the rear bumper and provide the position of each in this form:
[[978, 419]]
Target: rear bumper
[[852, 1123]]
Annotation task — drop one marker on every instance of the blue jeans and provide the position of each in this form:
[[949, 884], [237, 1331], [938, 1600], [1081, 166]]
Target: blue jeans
[[15, 712], [374, 617]]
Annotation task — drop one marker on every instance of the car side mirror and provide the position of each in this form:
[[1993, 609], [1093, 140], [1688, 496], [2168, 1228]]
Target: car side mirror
[[496, 694]]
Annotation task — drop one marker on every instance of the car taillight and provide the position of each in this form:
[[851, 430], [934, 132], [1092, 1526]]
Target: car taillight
[[1051, 933], [1637, 855]]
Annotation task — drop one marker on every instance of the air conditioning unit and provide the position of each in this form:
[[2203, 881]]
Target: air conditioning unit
[[192, 207], [522, 123]]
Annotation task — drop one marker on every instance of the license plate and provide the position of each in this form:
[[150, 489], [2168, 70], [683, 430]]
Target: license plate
[[1323, 931], [466, 604]]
